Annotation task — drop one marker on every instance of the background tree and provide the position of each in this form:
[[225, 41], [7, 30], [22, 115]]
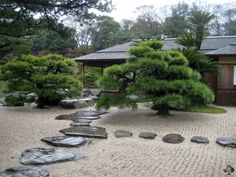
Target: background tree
[[187, 39], [162, 77], [20, 19], [216, 27], [230, 24], [193, 40], [200, 19], [177, 23], [52, 42], [199, 62], [107, 32], [51, 77], [147, 24]]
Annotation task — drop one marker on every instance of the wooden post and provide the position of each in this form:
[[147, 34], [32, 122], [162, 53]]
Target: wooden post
[[82, 73]]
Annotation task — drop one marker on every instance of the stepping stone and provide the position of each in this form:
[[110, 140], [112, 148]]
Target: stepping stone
[[24, 172], [200, 139], [89, 113], [228, 142], [173, 138], [81, 121], [75, 124], [42, 156], [87, 131], [75, 115], [66, 116], [89, 117], [147, 135], [95, 112], [65, 141], [122, 134]]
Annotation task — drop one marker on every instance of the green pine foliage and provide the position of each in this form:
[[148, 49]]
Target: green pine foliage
[[91, 75], [199, 62], [51, 77], [163, 77]]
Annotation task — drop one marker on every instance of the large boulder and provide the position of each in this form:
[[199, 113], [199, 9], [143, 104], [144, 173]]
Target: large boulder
[[42, 156], [72, 103], [31, 97], [24, 172]]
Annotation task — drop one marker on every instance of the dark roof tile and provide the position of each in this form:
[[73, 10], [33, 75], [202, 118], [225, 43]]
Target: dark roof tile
[[209, 45]]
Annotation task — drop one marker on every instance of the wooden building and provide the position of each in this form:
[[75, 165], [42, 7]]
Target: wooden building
[[225, 82], [221, 48]]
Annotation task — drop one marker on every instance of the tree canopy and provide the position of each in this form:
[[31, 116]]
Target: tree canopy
[[51, 77], [20, 19], [162, 77]]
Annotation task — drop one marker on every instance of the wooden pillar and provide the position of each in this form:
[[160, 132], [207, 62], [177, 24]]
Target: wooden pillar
[[82, 72]]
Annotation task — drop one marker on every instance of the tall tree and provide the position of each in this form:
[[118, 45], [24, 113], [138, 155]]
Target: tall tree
[[200, 19], [147, 23], [177, 23], [216, 27], [107, 32], [52, 42], [230, 24]]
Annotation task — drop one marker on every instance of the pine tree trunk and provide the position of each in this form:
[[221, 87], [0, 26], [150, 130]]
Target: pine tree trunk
[[163, 110], [41, 102]]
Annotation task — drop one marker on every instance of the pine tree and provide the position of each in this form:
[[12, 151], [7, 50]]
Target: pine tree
[[51, 77], [162, 77]]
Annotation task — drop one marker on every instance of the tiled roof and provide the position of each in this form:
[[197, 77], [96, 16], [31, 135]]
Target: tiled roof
[[217, 42], [228, 50], [121, 51], [104, 56]]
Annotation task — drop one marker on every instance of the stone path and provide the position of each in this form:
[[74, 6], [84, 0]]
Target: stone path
[[131, 156]]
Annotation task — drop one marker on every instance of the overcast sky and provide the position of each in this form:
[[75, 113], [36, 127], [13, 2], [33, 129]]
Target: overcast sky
[[125, 8]]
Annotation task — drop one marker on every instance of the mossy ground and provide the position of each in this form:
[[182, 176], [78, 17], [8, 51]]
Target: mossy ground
[[205, 109]]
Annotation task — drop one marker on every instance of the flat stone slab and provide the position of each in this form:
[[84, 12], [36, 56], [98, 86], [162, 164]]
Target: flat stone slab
[[81, 120], [225, 141], [89, 117], [77, 115], [24, 172], [173, 138], [86, 131], [122, 134], [43, 156], [66, 116], [147, 135], [78, 124], [200, 139], [65, 141], [93, 113]]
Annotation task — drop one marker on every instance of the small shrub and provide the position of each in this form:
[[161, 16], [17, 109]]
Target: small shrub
[[13, 100]]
